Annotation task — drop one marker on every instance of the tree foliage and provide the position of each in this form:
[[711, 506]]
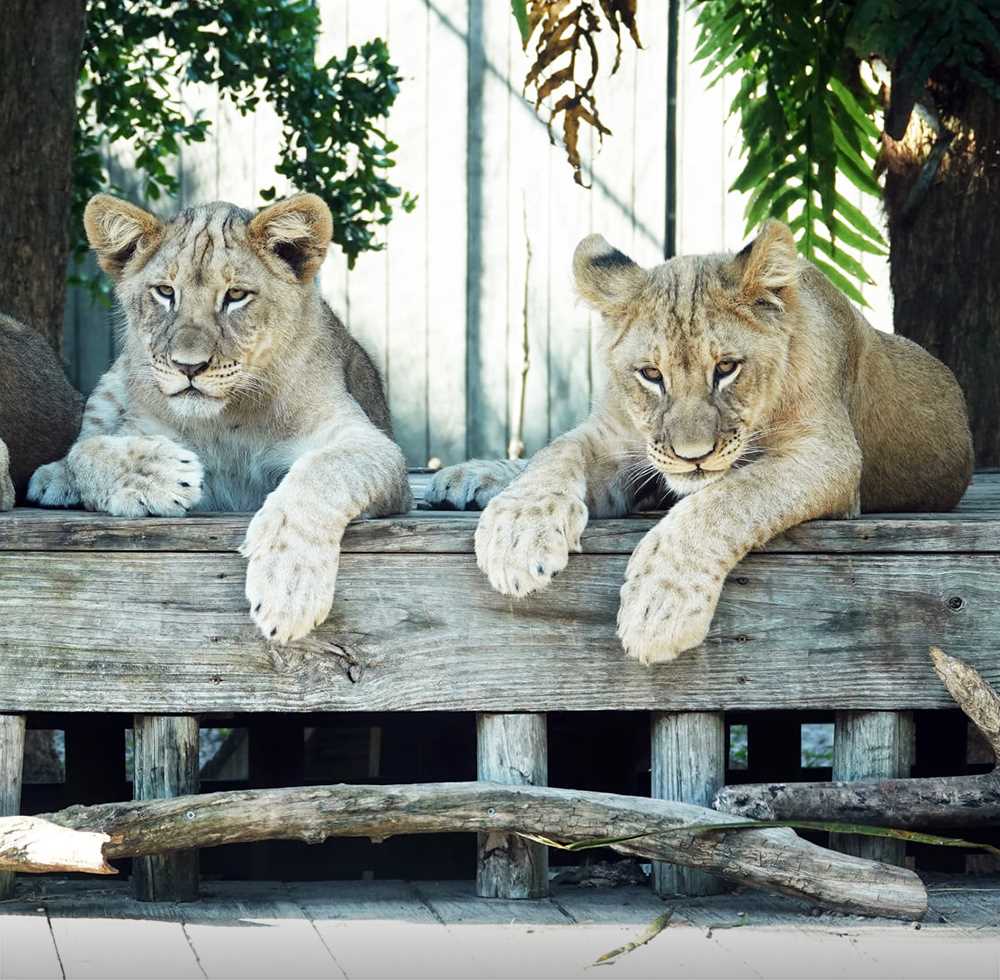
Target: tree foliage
[[138, 55], [567, 65], [809, 113]]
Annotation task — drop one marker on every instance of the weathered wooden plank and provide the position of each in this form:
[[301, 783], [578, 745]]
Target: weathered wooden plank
[[426, 532], [164, 633], [512, 749], [872, 745], [166, 765], [688, 754], [11, 766], [27, 948]]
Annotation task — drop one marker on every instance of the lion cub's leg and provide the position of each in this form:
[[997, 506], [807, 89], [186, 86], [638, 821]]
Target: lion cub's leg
[[6, 484], [675, 576], [473, 484], [293, 542]]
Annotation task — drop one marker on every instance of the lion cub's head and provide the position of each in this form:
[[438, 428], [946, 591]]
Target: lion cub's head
[[213, 298], [697, 348]]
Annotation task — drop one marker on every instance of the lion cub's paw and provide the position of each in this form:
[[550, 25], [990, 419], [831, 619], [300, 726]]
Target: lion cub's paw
[[136, 476], [665, 608], [291, 571], [471, 485], [522, 542], [6, 491], [52, 485]]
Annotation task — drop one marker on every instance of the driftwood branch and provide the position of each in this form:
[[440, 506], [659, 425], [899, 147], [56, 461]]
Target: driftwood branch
[[773, 858], [931, 803], [35, 845]]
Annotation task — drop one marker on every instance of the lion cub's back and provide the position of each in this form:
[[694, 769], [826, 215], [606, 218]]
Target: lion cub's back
[[39, 409], [363, 380]]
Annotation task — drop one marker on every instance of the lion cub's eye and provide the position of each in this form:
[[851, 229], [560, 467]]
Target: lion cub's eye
[[726, 369], [651, 374], [167, 292], [235, 295]]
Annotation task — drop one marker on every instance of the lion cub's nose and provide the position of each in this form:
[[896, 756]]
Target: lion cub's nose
[[191, 370]]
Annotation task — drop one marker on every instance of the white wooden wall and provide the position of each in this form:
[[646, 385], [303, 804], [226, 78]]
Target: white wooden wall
[[443, 308]]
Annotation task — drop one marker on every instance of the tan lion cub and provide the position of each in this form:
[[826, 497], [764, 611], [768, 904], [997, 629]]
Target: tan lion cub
[[237, 389], [758, 394]]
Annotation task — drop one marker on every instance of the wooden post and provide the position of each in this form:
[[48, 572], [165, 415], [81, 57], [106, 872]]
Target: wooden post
[[166, 765], [872, 745], [11, 766], [688, 756], [513, 749]]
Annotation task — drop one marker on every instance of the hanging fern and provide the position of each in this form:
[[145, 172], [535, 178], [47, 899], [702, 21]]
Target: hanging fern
[[807, 115]]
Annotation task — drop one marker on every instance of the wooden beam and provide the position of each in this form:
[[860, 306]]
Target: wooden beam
[[166, 765], [512, 749], [170, 633], [31, 845], [771, 858], [872, 745], [11, 771], [688, 755]]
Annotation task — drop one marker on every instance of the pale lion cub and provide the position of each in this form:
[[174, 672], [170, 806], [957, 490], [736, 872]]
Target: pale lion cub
[[758, 394], [237, 389]]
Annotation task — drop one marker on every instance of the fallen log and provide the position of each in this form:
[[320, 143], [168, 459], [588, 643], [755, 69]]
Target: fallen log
[[771, 858], [36, 845], [931, 802]]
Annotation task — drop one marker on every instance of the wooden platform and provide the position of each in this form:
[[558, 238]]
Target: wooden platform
[[103, 614], [56, 929]]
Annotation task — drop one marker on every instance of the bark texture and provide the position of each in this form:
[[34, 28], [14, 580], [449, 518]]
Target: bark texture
[[772, 858], [944, 235], [40, 46]]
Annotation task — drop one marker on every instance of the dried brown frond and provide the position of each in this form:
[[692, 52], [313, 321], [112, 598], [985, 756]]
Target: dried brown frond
[[566, 58]]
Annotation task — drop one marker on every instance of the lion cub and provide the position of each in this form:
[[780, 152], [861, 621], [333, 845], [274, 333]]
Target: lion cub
[[752, 388], [237, 389], [39, 408]]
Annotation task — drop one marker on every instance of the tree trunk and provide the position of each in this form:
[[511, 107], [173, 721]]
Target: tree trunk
[[945, 246], [40, 46]]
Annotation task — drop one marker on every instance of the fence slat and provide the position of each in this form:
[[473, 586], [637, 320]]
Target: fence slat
[[11, 771], [166, 765], [513, 749], [688, 755]]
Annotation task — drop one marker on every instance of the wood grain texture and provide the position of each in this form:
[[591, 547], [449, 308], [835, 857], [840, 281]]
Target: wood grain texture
[[165, 633], [512, 749], [166, 765], [872, 745], [688, 754], [772, 858], [11, 771]]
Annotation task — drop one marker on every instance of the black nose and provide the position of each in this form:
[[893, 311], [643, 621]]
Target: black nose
[[191, 370]]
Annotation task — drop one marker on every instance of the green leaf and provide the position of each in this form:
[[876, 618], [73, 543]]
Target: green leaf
[[520, 9], [839, 280]]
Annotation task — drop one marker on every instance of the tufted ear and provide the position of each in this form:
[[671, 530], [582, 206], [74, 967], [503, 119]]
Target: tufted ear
[[769, 266], [605, 278], [297, 231], [121, 234]]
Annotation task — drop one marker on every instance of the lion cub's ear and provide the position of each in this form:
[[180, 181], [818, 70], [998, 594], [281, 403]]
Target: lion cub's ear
[[605, 278], [297, 231], [769, 266], [121, 234]]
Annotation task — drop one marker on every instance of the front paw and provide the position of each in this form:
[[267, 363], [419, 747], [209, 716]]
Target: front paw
[[522, 541], [52, 485], [136, 476], [471, 485], [6, 491], [291, 570], [665, 607]]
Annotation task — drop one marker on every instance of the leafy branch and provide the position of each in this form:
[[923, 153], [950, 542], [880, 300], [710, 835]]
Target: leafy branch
[[138, 55], [809, 114]]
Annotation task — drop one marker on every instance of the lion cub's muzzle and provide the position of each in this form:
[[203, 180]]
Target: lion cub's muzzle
[[715, 457]]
